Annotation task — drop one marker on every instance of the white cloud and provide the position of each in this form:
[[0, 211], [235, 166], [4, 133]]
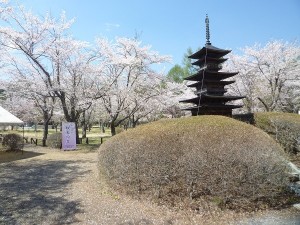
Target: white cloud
[[111, 26]]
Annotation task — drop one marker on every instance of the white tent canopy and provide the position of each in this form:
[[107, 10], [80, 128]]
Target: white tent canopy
[[6, 118]]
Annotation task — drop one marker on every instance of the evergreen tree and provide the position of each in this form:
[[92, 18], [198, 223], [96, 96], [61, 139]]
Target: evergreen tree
[[177, 73]]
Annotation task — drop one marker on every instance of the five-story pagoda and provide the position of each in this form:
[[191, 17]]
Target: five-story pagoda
[[209, 82]]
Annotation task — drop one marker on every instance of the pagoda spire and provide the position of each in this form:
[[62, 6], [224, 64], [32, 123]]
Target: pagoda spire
[[207, 30]]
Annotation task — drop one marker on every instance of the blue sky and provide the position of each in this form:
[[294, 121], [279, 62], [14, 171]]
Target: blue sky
[[171, 26]]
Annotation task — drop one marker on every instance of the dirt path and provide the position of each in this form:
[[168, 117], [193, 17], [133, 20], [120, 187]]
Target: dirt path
[[56, 187]]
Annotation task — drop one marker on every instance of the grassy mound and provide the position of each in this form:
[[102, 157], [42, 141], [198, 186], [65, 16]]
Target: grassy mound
[[227, 161], [283, 127]]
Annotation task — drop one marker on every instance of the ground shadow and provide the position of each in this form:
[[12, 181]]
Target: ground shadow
[[33, 192], [17, 155]]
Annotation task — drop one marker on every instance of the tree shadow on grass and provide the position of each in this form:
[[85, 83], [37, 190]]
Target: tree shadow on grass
[[35, 192], [17, 155]]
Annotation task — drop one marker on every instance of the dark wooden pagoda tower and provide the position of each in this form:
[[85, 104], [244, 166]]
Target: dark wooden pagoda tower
[[209, 82]]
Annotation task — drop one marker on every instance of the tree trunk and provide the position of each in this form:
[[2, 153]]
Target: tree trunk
[[113, 128], [264, 104], [45, 132], [46, 117], [84, 127], [133, 122], [77, 134], [83, 131]]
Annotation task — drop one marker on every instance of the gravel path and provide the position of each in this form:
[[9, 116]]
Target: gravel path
[[56, 187]]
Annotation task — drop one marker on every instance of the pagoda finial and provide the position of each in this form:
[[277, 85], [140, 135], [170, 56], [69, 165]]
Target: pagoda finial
[[207, 30]]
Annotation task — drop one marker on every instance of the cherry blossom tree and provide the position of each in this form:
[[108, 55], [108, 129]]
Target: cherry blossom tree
[[87, 119], [147, 104], [246, 82], [127, 70], [27, 40], [23, 108], [164, 102], [4, 8], [25, 85], [78, 84], [175, 92], [43, 53], [268, 76]]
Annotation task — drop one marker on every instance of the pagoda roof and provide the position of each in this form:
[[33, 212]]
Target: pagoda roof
[[211, 75], [205, 97], [208, 59], [209, 50], [221, 83], [214, 107]]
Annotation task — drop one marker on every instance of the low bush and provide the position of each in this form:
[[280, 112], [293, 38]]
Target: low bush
[[12, 142], [283, 127], [54, 140], [188, 159]]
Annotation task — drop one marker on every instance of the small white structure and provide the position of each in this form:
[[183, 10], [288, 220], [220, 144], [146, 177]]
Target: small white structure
[[8, 119]]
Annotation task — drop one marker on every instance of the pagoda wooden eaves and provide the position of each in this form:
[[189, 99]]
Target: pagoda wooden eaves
[[210, 75], [212, 82], [210, 98], [207, 59], [209, 51]]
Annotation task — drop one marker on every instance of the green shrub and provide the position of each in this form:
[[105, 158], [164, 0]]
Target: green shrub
[[54, 140], [13, 142], [186, 159], [283, 127]]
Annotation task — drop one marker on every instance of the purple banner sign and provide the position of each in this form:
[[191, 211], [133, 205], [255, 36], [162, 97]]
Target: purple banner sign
[[68, 136]]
